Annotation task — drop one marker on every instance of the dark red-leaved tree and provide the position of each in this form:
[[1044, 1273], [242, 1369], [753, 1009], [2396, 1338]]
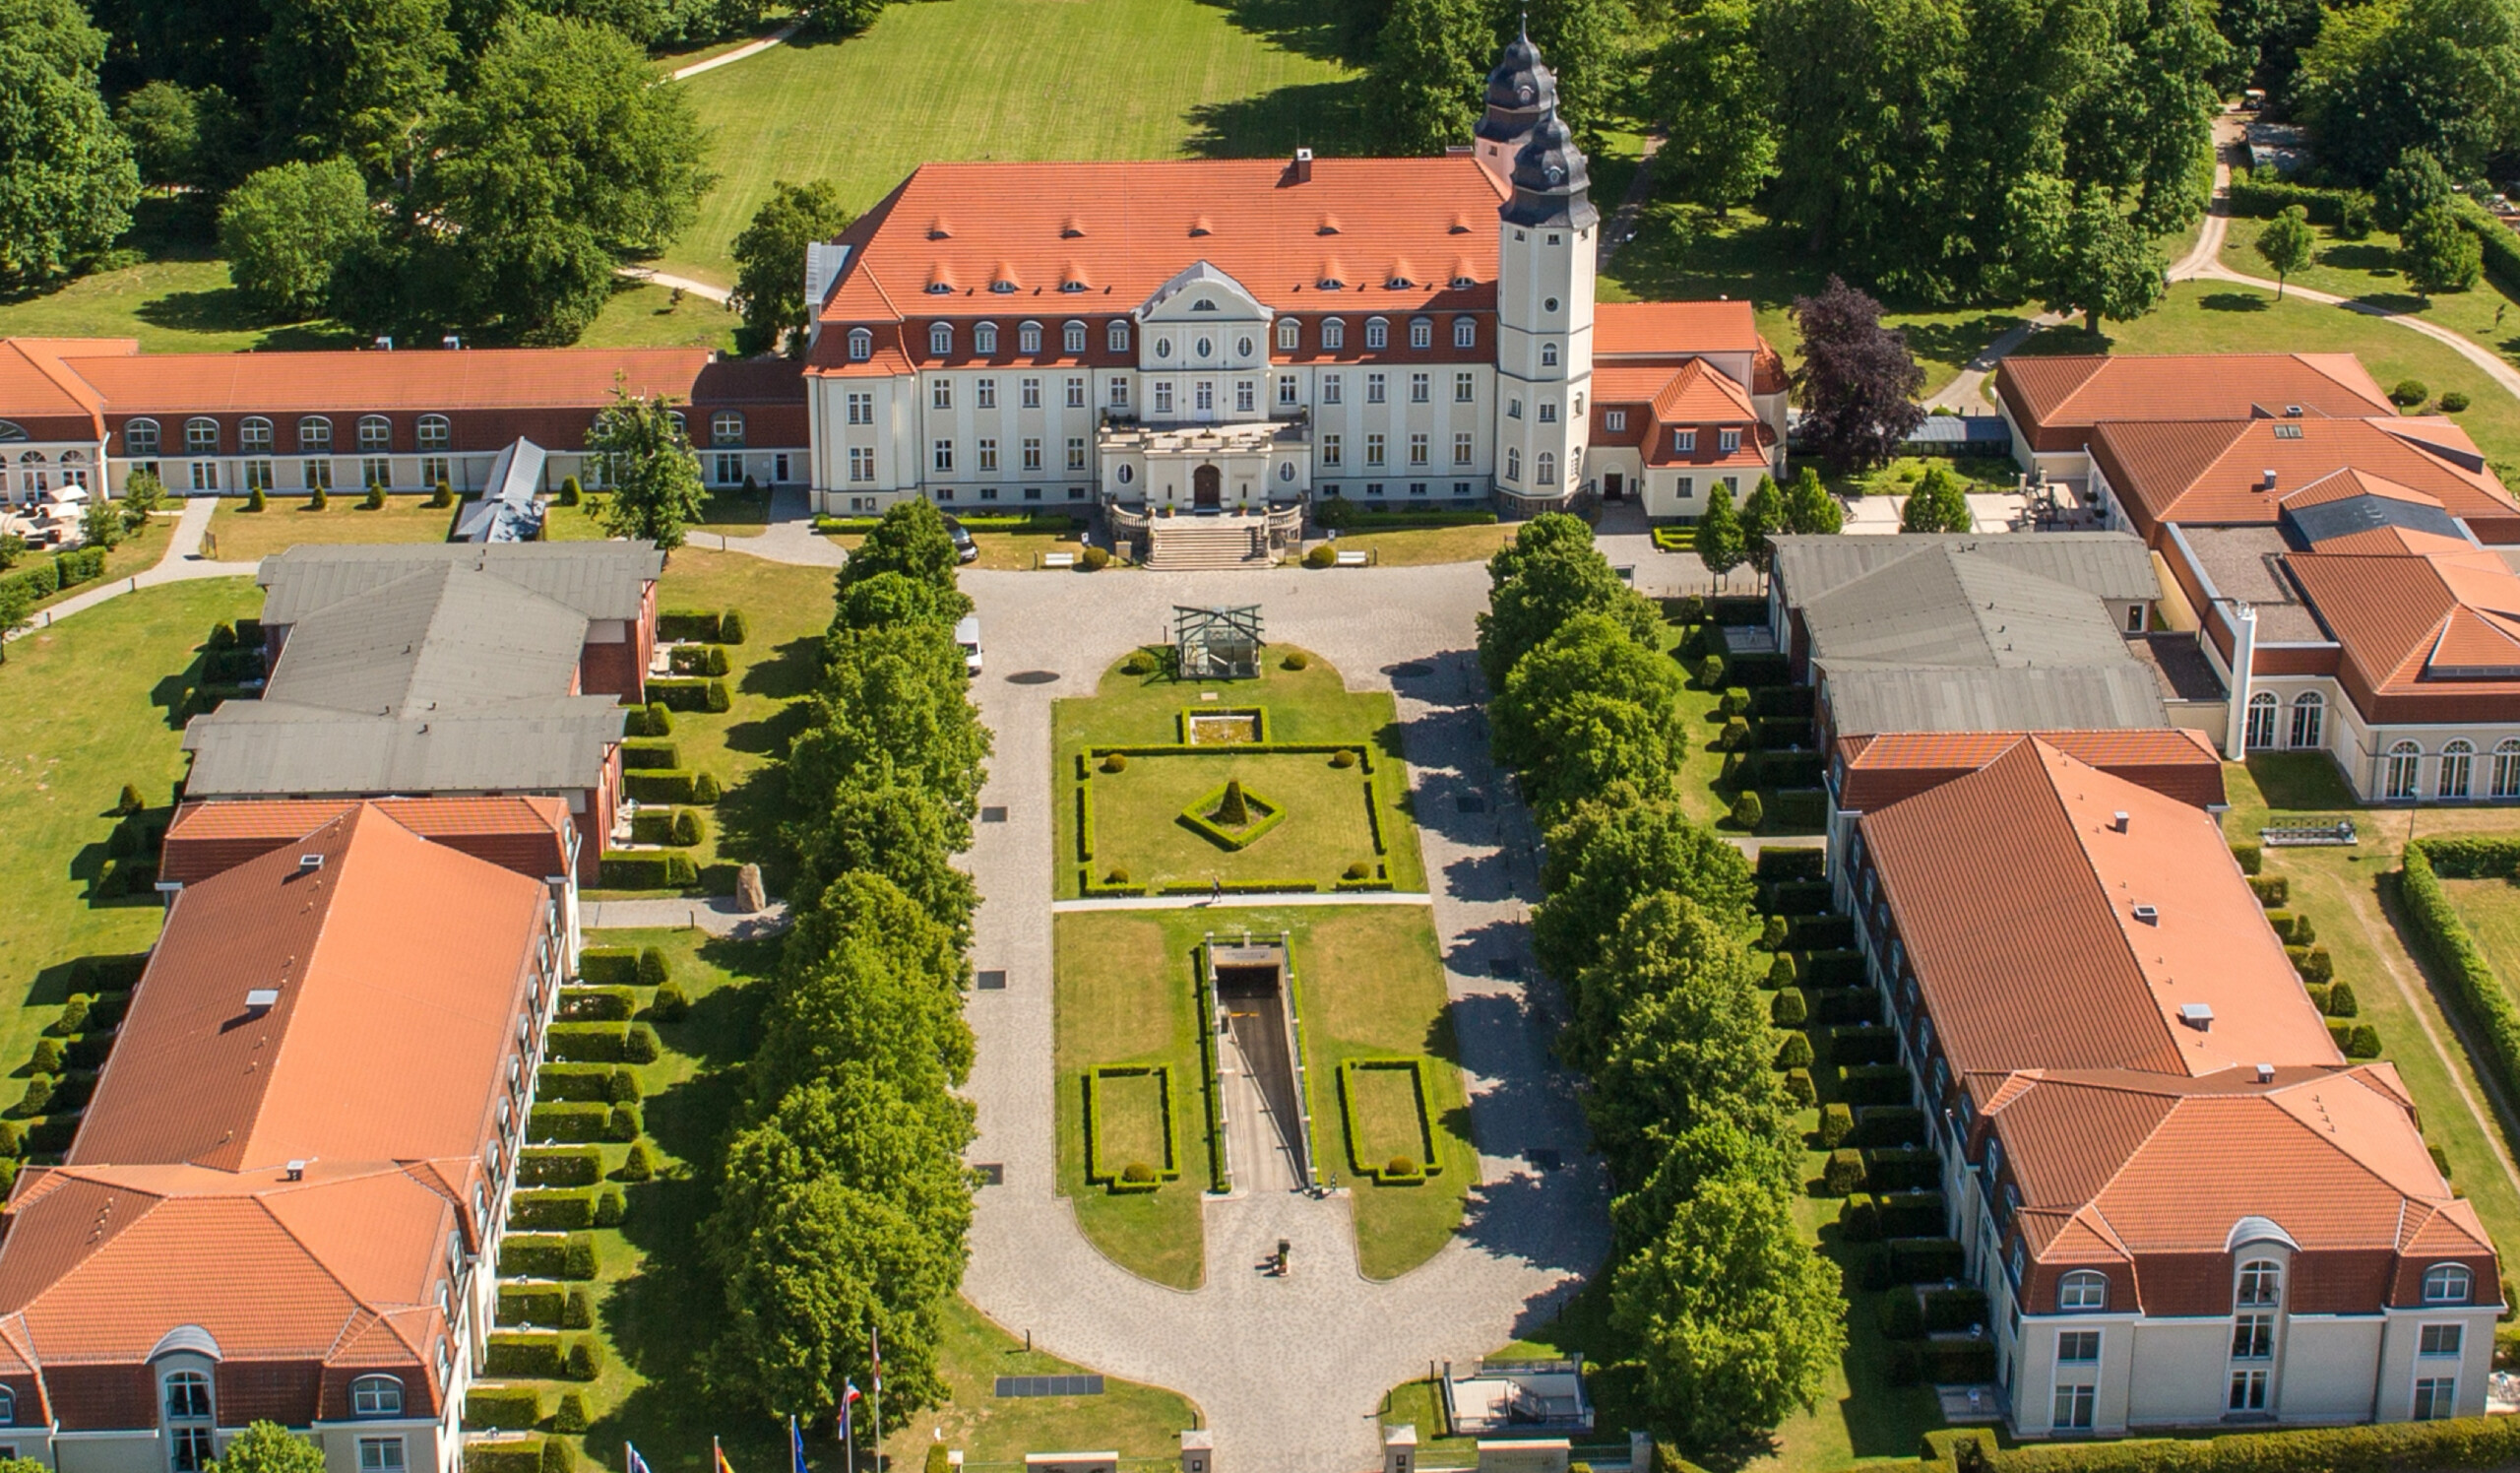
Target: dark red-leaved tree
[[1858, 381]]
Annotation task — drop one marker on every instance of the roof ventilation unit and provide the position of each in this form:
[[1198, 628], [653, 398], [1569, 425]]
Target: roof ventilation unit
[[2266, 1073], [2149, 915], [2266, 478], [261, 999], [384, 344], [451, 341], [295, 1171], [1302, 172], [2197, 1015], [2292, 411], [2120, 820], [308, 863]]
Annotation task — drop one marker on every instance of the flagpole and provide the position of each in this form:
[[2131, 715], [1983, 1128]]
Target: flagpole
[[875, 1348]]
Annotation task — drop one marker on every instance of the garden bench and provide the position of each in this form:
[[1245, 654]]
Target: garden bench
[[1058, 559], [1352, 559]]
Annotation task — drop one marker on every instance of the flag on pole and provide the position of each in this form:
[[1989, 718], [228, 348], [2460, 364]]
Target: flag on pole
[[717, 1456], [631, 1461], [875, 1353], [795, 1447], [848, 1395]]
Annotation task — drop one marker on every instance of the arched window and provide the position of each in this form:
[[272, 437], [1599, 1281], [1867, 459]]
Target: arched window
[[1545, 470], [726, 428], [1242, 348], [2261, 1284], [434, 432], [1289, 335], [1421, 332], [1513, 463], [254, 433], [985, 337], [376, 1397], [375, 432], [201, 435], [2448, 1284], [2406, 760], [1334, 333], [2458, 763], [187, 1396], [315, 433], [2083, 1289], [1072, 337], [2308, 709], [1465, 331], [1028, 338], [8, 1407], [1377, 332], [940, 338], [2506, 767], [862, 345], [1115, 337], [10, 429], [2261, 721], [1549, 356], [140, 437]]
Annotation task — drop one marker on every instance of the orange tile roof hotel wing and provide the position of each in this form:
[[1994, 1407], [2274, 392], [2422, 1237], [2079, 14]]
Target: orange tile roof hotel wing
[[310, 1094]]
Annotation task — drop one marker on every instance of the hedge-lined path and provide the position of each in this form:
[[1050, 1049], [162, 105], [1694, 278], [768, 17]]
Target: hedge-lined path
[[1233, 901], [717, 914], [181, 560], [1290, 1371]]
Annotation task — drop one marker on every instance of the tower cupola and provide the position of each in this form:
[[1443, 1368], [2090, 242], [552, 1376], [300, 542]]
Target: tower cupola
[[1550, 181], [1519, 90]]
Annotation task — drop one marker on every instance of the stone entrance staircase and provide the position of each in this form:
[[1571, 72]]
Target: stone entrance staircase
[[1179, 545]]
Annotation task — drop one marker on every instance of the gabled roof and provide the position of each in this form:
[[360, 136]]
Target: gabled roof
[[2107, 564], [529, 835], [1697, 395], [1945, 608], [2213, 472], [1863, 700], [2405, 621], [604, 580], [2015, 893], [1877, 771], [443, 638], [1627, 329], [2048, 393], [281, 748], [278, 383]]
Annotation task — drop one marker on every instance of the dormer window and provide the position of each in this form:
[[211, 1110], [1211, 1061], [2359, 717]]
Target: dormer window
[[1685, 441], [1397, 283], [1116, 337], [1330, 283], [940, 339], [1465, 331], [1289, 335], [1072, 337], [376, 1397], [1728, 440], [140, 437], [1378, 333], [1071, 285], [985, 337], [940, 289], [1028, 338], [1421, 332], [1463, 283], [2448, 1284], [1334, 333], [1002, 286], [862, 345]]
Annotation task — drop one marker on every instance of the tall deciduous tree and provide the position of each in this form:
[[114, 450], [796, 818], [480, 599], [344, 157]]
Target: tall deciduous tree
[[1762, 517], [67, 181], [564, 156], [286, 229], [1550, 584], [183, 136], [2091, 257], [909, 540], [1711, 87], [2442, 76], [356, 78], [894, 695], [268, 1447], [1585, 44], [653, 476], [1431, 61], [1586, 707], [770, 263], [2439, 254], [1608, 853], [2417, 182], [2286, 244], [1739, 1321], [1858, 381]]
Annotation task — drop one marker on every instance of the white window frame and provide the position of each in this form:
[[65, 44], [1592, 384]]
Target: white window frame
[[862, 345]]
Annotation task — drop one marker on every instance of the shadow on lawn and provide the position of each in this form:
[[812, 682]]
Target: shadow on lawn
[[1328, 117]]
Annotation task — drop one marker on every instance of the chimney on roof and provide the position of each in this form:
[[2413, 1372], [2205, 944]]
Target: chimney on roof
[[2266, 1073], [384, 344], [2120, 820], [295, 1171], [1300, 171], [2266, 480], [2197, 1015], [451, 341]]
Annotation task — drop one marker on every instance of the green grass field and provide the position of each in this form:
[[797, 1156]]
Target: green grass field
[[1008, 79], [2492, 909], [2366, 271], [137, 553], [240, 536], [1136, 811]]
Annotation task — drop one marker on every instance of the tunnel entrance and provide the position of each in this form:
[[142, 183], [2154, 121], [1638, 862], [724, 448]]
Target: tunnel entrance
[[1269, 1127]]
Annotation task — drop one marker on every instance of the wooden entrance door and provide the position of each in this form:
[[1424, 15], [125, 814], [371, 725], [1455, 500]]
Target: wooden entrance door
[[1207, 486], [1613, 486]]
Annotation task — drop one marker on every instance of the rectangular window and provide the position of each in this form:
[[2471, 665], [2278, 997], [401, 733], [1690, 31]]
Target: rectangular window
[[1331, 389], [861, 463], [2248, 1391], [987, 459], [1513, 409], [1119, 393], [2074, 1405], [1416, 488], [1374, 388], [1286, 390], [2436, 1398], [434, 471], [1031, 494], [380, 1455], [1031, 452], [2438, 1340], [730, 470], [940, 395], [988, 494], [2078, 1346], [204, 476], [1242, 400], [1076, 452], [1417, 450], [1549, 411], [944, 455], [861, 409], [1076, 390], [376, 471], [1465, 388], [1462, 443], [1373, 450], [191, 1448], [1614, 420], [1031, 393], [1418, 388], [1728, 440], [1206, 392], [2253, 1337], [1330, 451], [258, 476], [1686, 488], [985, 393], [319, 474], [1164, 396]]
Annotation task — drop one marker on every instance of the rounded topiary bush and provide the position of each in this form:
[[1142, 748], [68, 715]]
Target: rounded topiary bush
[[2409, 392], [1791, 1009], [320, 500], [1296, 660], [670, 1006], [374, 501], [1749, 811], [1343, 758], [1119, 875], [257, 501], [1320, 555], [1400, 1166], [1357, 869], [443, 496], [1783, 972], [1115, 762], [1139, 664], [1795, 1053], [731, 628], [222, 635], [2340, 1002], [1710, 671], [570, 491], [2454, 402], [1137, 1174], [705, 788], [571, 1418], [1844, 1174], [1772, 936], [640, 1164], [47, 1059], [1094, 560]]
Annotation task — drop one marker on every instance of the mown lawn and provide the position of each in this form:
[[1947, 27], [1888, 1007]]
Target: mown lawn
[[2367, 270], [1419, 546], [2492, 909], [1135, 810], [2223, 317], [238, 535], [182, 301], [1132, 1420], [1010, 80], [137, 553], [86, 706]]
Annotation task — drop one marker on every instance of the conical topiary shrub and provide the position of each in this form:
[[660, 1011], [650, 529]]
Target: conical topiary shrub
[[1236, 811]]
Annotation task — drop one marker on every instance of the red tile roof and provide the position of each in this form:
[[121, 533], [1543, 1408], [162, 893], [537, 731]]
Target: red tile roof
[[1625, 328], [529, 835], [2408, 623], [2056, 401], [1877, 771], [2213, 473]]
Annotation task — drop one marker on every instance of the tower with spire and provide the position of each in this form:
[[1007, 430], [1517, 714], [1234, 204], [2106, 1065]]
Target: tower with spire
[[1547, 240]]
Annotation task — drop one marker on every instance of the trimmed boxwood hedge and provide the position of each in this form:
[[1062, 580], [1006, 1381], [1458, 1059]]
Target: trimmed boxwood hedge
[[570, 1257], [645, 869], [584, 1083], [1923, 1260], [602, 1042], [689, 693], [514, 1408], [1797, 897], [2380, 1448], [553, 1211], [688, 625], [527, 1303], [608, 966], [1853, 1043], [570, 1123], [504, 1457], [604, 1004], [1779, 863], [670, 784], [525, 1354], [1887, 1126], [646, 756], [1841, 968], [560, 1166], [1874, 1084]]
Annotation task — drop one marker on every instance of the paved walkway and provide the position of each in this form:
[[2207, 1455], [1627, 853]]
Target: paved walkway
[[1621, 227], [1289, 1371], [181, 561], [1967, 391], [730, 58], [1231, 902], [790, 537], [717, 915], [651, 275]]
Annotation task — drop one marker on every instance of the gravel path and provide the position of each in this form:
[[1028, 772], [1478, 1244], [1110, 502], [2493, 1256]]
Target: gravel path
[[1289, 1371]]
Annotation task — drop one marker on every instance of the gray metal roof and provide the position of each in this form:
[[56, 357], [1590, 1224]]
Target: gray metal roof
[[600, 580], [273, 749], [2106, 564], [1977, 431], [2122, 696], [437, 639], [1944, 607], [2329, 520], [510, 509]]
